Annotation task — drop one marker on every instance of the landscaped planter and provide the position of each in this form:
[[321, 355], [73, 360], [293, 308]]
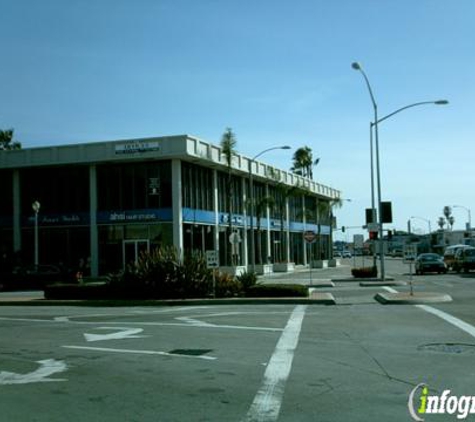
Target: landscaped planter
[[237, 270], [284, 267], [261, 269]]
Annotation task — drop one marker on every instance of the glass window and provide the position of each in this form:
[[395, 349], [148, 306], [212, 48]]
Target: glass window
[[134, 186], [58, 189]]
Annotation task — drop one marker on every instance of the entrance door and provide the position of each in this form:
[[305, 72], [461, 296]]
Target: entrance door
[[131, 250]]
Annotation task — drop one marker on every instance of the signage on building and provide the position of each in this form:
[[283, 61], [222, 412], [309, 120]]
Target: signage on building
[[137, 147], [235, 219], [134, 216], [153, 186], [61, 219]]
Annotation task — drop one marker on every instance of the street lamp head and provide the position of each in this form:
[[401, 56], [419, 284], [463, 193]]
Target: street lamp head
[[286, 147], [441, 102], [356, 66], [36, 206]]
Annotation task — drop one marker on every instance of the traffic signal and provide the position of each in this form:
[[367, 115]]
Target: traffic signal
[[343, 229], [390, 234], [373, 235]]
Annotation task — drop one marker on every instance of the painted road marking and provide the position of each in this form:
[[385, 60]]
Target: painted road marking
[[268, 400], [464, 326], [47, 367], [143, 323], [124, 333], [140, 352]]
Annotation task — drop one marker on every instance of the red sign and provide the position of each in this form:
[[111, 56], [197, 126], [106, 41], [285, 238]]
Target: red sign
[[309, 236]]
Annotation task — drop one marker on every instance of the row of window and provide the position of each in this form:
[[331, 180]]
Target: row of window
[[132, 186]]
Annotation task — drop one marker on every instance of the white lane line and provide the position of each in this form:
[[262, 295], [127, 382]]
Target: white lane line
[[139, 352], [47, 367], [464, 326], [390, 289], [470, 329], [267, 402]]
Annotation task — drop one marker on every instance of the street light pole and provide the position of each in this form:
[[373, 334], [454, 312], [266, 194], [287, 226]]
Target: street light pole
[[36, 208], [357, 66], [469, 227], [251, 201], [429, 226]]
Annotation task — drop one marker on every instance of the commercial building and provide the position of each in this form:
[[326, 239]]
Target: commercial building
[[105, 202]]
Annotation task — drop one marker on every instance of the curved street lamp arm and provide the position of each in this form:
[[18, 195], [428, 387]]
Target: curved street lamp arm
[[267, 150], [369, 87], [438, 102]]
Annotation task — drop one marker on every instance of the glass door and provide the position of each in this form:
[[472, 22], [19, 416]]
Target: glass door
[[131, 250]]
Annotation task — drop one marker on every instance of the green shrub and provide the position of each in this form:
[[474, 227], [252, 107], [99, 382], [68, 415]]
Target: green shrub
[[247, 280], [364, 272], [277, 290], [160, 274], [226, 285]]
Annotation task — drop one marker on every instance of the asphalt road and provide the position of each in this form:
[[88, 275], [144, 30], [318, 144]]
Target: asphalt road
[[356, 361]]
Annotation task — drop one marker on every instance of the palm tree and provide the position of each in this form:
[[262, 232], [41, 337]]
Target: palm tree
[[441, 223], [228, 150], [7, 142], [303, 162], [448, 216]]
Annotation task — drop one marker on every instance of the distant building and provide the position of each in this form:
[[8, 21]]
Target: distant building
[[105, 202]]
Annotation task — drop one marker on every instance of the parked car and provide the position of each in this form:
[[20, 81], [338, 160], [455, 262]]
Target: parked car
[[464, 259], [430, 263], [449, 254], [346, 254], [397, 253]]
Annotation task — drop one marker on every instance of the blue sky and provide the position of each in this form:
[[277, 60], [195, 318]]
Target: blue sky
[[276, 72]]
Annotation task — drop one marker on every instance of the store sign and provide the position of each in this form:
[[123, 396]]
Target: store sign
[[60, 219], [134, 216], [137, 147], [235, 219]]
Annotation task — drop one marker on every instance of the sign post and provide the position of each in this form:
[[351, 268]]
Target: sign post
[[212, 262], [310, 237], [409, 256]]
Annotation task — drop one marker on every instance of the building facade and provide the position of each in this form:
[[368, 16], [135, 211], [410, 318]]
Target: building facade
[[104, 203]]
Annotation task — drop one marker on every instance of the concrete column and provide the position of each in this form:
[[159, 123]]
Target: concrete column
[[93, 231], [304, 243], [268, 239], [215, 209], [177, 207], [16, 212], [244, 236], [287, 232]]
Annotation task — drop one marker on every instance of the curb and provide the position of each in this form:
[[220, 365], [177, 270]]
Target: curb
[[314, 299], [382, 283], [359, 280], [415, 299]]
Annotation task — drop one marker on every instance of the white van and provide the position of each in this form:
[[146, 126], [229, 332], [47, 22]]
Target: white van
[[449, 254]]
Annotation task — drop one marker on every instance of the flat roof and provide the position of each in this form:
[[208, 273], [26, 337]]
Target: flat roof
[[183, 147]]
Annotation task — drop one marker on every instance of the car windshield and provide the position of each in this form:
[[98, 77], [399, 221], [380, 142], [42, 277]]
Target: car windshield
[[430, 257]]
